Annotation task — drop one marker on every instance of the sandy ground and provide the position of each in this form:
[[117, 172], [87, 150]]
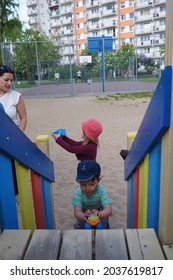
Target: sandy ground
[[117, 117]]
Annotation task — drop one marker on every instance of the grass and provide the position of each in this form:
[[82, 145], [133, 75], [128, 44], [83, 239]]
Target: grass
[[121, 96]]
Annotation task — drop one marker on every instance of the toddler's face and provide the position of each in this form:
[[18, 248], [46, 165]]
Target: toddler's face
[[89, 187]]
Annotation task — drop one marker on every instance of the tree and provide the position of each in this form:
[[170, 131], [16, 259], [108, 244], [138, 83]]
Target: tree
[[123, 56], [36, 49], [147, 62], [10, 25]]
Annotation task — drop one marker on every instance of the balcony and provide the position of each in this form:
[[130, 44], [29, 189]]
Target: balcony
[[31, 3]]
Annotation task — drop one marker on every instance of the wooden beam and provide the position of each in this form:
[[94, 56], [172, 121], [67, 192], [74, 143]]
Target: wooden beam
[[166, 188]]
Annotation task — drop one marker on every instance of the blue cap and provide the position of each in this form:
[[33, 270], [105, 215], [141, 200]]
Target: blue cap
[[88, 170]]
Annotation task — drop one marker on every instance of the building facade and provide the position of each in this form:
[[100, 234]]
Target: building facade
[[70, 22]]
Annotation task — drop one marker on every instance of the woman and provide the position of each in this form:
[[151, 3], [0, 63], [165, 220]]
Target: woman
[[11, 100], [13, 104]]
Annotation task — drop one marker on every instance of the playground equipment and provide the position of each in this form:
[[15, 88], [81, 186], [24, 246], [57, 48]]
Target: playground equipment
[[34, 173], [144, 164]]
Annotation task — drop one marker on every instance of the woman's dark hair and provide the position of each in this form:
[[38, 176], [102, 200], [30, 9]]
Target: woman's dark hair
[[5, 69]]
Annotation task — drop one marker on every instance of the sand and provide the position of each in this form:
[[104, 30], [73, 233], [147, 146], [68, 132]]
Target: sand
[[117, 117]]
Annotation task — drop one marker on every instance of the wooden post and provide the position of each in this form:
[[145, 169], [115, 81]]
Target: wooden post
[[43, 144], [166, 191]]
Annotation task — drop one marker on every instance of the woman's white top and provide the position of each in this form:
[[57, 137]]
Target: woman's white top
[[9, 101]]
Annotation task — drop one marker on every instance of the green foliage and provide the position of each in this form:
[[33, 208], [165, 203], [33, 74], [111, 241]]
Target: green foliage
[[37, 50], [122, 57], [8, 19]]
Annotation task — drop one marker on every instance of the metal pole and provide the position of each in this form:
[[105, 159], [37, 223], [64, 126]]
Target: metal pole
[[103, 64], [71, 73], [38, 68]]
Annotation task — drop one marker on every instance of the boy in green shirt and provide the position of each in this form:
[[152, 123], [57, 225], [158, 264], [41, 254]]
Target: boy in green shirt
[[90, 198]]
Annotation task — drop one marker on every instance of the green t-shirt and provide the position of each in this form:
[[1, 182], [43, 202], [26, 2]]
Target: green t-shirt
[[99, 199]]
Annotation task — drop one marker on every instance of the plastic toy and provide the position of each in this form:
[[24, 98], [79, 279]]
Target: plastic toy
[[93, 222], [60, 131]]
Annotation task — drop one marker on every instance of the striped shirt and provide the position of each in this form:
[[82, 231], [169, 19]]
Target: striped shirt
[[99, 199]]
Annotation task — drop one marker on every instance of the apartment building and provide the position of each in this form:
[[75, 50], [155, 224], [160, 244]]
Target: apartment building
[[70, 22], [38, 15], [149, 27]]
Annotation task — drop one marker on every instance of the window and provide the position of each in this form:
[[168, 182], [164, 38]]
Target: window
[[131, 15], [122, 4], [123, 17]]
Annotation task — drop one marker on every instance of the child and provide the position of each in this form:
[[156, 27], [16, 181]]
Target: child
[[90, 198], [86, 149]]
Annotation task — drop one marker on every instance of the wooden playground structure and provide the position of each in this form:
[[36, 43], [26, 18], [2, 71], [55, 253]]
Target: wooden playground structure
[[149, 175]]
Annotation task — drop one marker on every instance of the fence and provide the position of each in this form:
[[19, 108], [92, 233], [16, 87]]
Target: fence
[[144, 163], [34, 174], [36, 62]]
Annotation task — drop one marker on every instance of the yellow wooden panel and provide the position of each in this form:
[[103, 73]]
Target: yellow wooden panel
[[143, 193], [130, 138], [25, 196]]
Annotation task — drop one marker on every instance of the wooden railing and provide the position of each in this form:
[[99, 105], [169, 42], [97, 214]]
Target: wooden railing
[[144, 161], [34, 174]]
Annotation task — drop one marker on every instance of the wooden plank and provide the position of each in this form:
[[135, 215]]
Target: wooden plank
[[25, 196], [76, 245], [28, 154], [154, 124], [13, 244], [168, 250], [38, 200], [45, 245], [110, 245], [143, 192], [136, 198], [166, 189], [130, 201], [154, 188], [143, 245], [8, 211]]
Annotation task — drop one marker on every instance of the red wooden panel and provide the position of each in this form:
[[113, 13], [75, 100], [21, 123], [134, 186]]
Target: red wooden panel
[[38, 200]]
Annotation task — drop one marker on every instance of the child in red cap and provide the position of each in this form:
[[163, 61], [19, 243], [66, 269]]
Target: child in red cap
[[87, 148]]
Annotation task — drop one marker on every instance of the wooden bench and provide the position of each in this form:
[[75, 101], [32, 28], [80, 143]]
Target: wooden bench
[[115, 244]]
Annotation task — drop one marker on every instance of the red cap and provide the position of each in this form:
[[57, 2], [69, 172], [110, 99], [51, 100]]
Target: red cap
[[92, 129]]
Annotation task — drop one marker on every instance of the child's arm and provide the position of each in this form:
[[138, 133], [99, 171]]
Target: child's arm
[[105, 213], [80, 215]]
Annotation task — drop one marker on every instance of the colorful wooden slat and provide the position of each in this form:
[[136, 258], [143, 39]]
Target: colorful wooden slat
[[42, 142], [48, 210], [154, 187], [130, 202], [25, 196], [150, 132], [136, 198], [8, 211], [28, 154], [143, 193], [38, 200]]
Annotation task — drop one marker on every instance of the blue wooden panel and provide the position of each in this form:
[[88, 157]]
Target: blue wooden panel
[[18, 146], [97, 44], [47, 204], [154, 124], [130, 204], [154, 188], [8, 211]]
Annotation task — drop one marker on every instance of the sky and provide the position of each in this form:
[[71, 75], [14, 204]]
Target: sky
[[23, 10]]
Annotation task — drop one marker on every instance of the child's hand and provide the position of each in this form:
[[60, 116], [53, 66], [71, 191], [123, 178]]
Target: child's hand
[[95, 212], [55, 136], [88, 213]]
